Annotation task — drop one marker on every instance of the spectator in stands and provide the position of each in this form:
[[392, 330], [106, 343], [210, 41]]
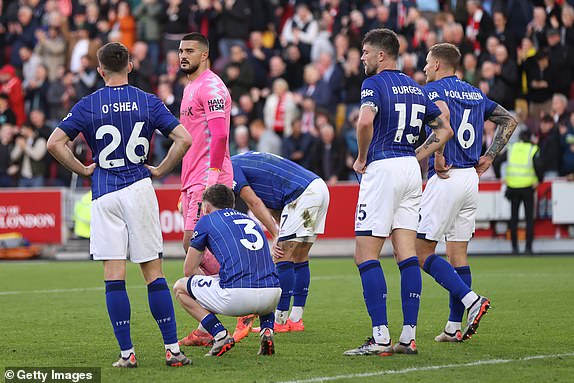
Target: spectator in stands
[[322, 43], [240, 142], [560, 63], [294, 66], [559, 105], [504, 34], [277, 69], [331, 156], [315, 87], [342, 46], [175, 23], [299, 147], [354, 76], [506, 78], [567, 28], [11, 85], [350, 137], [61, 95], [454, 33], [86, 81], [81, 44], [258, 56], [524, 56], [479, 25], [489, 54], [7, 168], [250, 109], [7, 116], [470, 71], [20, 33], [29, 152], [539, 77], [143, 72], [308, 116], [148, 15], [51, 49], [536, 29], [266, 141], [37, 90], [238, 73], [301, 30], [30, 62], [331, 74], [548, 140], [280, 110], [233, 24], [123, 25]]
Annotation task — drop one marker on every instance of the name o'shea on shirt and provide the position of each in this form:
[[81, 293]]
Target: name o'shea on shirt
[[126, 106]]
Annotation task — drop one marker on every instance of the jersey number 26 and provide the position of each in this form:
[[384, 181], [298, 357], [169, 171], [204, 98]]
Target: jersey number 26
[[134, 141]]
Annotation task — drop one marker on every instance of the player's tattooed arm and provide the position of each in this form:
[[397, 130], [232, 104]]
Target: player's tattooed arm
[[504, 129], [441, 133]]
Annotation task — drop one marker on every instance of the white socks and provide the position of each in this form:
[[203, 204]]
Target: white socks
[[174, 348], [409, 333], [452, 327], [469, 299], [381, 334], [126, 353], [281, 316], [296, 313]]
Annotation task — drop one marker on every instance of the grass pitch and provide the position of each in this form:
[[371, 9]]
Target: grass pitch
[[54, 314]]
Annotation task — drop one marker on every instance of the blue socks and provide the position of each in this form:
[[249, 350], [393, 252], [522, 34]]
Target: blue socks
[[286, 274], [161, 306], [119, 311], [302, 280], [446, 276], [374, 291], [267, 321], [411, 287], [456, 307], [212, 324]]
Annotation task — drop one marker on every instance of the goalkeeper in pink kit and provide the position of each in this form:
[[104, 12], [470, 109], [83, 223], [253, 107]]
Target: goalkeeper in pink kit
[[206, 114]]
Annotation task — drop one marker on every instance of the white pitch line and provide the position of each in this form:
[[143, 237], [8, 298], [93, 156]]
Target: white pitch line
[[85, 289], [427, 368]]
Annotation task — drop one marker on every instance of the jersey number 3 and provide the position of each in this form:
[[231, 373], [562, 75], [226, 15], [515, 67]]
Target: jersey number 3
[[249, 228], [134, 141], [415, 122]]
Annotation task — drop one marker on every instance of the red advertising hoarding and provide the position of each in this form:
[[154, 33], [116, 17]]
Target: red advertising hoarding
[[170, 218], [37, 215]]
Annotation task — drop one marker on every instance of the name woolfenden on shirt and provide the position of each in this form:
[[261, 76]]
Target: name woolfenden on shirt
[[216, 104], [458, 95]]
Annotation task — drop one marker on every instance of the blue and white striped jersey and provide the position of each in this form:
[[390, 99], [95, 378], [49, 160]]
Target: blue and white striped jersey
[[118, 123], [274, 179], [469, 108], [240, 247], [402, 109]]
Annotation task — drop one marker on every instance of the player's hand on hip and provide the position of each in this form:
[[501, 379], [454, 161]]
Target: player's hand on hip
[[89, 170], [483, 164], [441, 167], [277, 250], [360, 166]]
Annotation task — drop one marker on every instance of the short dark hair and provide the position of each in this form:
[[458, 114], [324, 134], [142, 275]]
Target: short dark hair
[[114, 57], [196, 36], [219, 196], [447, 53], [383, 39]]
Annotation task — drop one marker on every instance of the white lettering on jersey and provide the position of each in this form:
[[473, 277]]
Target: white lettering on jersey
[[433, 95], [367, 93], [403, 89], [125, 106]]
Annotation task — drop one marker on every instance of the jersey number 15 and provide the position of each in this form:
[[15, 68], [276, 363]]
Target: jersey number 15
[[415, 122]]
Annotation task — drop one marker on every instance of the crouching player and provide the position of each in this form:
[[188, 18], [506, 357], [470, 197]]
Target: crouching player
[[247, 282]]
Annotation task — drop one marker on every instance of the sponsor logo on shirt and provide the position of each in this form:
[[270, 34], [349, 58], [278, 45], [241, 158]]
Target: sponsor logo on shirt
[[433, 95], [187, 112], [216, 105], [367, 93]]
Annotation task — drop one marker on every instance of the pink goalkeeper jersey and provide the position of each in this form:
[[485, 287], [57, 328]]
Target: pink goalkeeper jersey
[[204, 98]]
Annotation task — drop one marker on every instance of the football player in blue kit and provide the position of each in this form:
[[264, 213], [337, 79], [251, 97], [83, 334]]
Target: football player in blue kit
[[118, 122], [452, 219]]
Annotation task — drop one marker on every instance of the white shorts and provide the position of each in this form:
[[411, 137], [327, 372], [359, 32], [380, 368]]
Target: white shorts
[[126, 222], [304, 218], [232, 302], [389, 197], [448, 207]]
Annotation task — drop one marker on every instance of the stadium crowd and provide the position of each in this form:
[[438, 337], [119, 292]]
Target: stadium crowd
[[293, 69]]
